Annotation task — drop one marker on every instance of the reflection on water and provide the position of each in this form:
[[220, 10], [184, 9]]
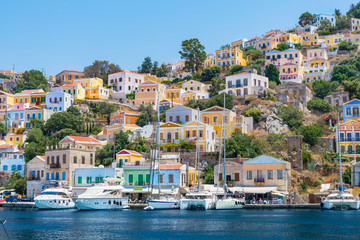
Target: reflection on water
[[175, 224]]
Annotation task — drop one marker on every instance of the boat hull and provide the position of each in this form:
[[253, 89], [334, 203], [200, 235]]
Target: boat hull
[[328, 205], [101, 203], [228, 204], [197, 204], [49, 204], [163, 204]]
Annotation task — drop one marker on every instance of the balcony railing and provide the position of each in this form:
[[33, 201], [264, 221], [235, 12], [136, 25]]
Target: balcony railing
[[32, 178], [55, 165], [351, 152], [349, 139], [259, 180]]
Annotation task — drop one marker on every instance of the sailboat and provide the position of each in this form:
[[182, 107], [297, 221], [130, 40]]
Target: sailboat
[[163, 201], [227, 202], [198, 200], [339, 198]]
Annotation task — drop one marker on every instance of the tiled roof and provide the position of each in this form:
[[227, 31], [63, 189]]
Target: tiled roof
[[170, 166], [240, 74], [6, 146], [43, 157], [125, 151], [83, 139]]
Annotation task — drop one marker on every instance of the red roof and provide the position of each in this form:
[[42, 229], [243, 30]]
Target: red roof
[[6, 146], [240, 74], [84, 139], [43, 157], [125, 151], [171, 166]]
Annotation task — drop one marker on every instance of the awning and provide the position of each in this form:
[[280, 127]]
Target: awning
[[258, 190], [135, 190], [109, 179], [166, 191]]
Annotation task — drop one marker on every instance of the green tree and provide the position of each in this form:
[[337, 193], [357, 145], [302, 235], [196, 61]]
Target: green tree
[[218, 100], [257, 64], [196, 104], [216, 86], [240, 143], [2, 76], [101, 69], [32, 79], [146, 66], [36, 144], [103, 109], [353, 87], [147, 115], [348, 46], [342, 23], [326, 28], [311, 133], [17, 182], [3, 128], [347, 175], [255, 113], [320, 105], [272, 73], [235, 69], [305, 18], [208, 74], [208, 175], [337, 13], [62, 120], [354, 11], [155, 68], [282, 47], [253, 54], [194, 54], [342, 72], [291, 116], [20, 186], [324, 88], [303, 187], [162, 71]]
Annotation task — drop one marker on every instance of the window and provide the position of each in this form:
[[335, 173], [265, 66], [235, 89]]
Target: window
[[176, 135], [171, 178], [200, 133], [42, 173], [88, 180], [161, 178], [75, 159], [348, 111], [186, 118], [79, 180], [270, 174], [237, 177], [57, 176], [48, 160], [63, 175], [83, 159], [187, 134], [64, 158], [280, 174], [249, 175], [47, 176], [170, 118], [91, 158], [131, 178], [194, 133]]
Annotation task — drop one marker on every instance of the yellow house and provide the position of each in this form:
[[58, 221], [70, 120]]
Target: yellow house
[[228, 57], [148, 93], [170, 135], [111, 130], [206, 138], [128, 156], [38, 99], [174, 93], [350, 139], [214, 117], [210, 60], [75, 89], [309, 39], [68, 76], [353, 38], [93, 88], [152, 78], [333, 40], [15, 139], [193, 176], [6, 100]]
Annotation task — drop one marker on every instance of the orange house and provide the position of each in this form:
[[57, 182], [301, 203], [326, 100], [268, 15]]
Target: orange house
[[124, 117]]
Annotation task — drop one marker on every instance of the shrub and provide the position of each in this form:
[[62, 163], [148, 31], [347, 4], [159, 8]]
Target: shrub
[[327, 169], [311, 133], [255, 113], [303, 187], [347, 175], [291, 116], [320, 105]]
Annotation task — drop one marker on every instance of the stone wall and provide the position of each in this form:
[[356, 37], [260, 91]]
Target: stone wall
[[294, 149]]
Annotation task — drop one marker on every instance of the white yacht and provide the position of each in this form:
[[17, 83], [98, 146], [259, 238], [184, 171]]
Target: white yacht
[[54, 198], [340, 200], [228, 203], [198, 201], [102, 198]]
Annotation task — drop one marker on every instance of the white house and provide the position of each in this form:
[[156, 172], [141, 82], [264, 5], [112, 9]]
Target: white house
[[181, 114], [245, 83], [58, 100], [124, 82], [318, 17]]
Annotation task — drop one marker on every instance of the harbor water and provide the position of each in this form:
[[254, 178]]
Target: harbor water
[[175, 224]]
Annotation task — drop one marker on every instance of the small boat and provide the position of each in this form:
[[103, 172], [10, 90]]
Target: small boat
[[163, 203], [229, 202], [340, 200], [54, 198], [104, 197], [198, 201]]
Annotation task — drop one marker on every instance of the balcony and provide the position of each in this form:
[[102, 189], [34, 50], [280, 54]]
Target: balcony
[[32, 178], [259, 181], [263, 46], [349, 139], [55, 165]]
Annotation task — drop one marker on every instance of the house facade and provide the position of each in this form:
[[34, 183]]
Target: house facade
[[35, 176], [181, 114], [125, 82]]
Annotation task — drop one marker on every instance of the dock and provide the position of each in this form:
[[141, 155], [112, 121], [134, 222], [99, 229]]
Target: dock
[[282, 206], [18, 204]]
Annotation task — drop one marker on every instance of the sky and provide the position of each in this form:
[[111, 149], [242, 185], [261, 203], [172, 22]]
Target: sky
[[61, 35]]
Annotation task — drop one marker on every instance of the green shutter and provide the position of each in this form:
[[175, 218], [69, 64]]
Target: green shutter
[[96, 179], [79, 180], [131, 178], [141, 179], [33, 99], [42, 99], [147, 178]]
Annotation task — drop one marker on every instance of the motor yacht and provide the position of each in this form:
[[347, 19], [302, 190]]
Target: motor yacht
[[54, 198], [104, 197], [198, 201], [340, 200], [228, 203]]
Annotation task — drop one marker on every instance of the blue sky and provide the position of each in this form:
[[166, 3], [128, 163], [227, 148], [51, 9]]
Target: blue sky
[[55, 35]]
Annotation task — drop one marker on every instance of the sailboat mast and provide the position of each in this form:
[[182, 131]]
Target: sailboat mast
[[217, 185], [197, 149], [339, 150], [224, 145], [158, 139]]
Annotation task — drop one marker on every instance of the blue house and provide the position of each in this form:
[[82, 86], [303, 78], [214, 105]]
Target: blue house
[[13, 161], [171, 175], [351, 110], [87, 177]]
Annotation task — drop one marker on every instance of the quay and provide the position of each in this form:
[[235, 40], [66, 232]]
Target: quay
[[18, 204], [282, 206]]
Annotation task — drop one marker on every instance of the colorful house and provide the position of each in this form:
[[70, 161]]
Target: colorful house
[[148, 93], [207, 136], [196, 86], [6, 100], [75, 90], [137, 176], [93, 88], [227, 57], [351, 110], [278, 58], [333, 40], [87, 177], [309, 39], [353, 38], [68, 76], [37, 113], [171, 175], [13, 161], [15, 117], [15, 139], [214, 116], [174, 94], [193, 95], [38, 99], [181, 114], [124, 117], [291, 72], [58, 100], [170, 136], [354, 24], [350, 139], [35, 176], [124, 82], [127, 156], [110, 131]]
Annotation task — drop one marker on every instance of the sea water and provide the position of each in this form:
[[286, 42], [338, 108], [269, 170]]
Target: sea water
[[175, 224]]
